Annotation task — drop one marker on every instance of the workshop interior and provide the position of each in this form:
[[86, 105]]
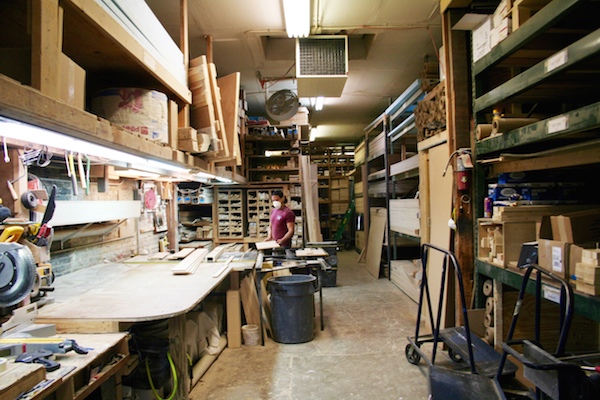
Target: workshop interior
[[299, 199]]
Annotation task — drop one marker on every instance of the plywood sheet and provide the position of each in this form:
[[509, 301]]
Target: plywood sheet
[[375, 241], [271, 244], [440, 206], [230, 98]]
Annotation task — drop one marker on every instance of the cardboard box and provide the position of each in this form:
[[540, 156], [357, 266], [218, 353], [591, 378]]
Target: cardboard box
[[72, 83], [482, 43], [335, 194], [558, 256], [500, 242], [577, 227]]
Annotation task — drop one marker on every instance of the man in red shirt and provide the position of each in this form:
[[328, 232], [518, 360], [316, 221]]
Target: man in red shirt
[[281, 226]]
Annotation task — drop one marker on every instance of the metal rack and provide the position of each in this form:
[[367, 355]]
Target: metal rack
[[563, 137]]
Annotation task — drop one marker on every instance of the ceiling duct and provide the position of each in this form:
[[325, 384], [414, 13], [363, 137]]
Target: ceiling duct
[[321, 65]]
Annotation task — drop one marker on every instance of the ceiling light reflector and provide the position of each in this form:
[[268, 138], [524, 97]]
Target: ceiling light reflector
[[297, 17]]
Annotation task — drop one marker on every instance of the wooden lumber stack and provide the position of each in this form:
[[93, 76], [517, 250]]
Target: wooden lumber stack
[[377, 145], [230, 101], [587, 272], [190, 264], [430, 114], [430, 76], [206, 112], [404, 216], [359, 153]]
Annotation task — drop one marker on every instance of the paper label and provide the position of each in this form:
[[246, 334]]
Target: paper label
[[557, 60], [558, 124], [551, 293], [557, 259]]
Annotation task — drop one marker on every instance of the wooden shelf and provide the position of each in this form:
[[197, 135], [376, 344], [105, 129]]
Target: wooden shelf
[[273, 170], [249, 138]]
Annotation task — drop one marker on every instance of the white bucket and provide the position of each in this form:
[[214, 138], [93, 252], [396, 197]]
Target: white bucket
[[251, 335]]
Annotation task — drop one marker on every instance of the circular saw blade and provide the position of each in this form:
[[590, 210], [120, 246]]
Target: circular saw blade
[[17, 273]]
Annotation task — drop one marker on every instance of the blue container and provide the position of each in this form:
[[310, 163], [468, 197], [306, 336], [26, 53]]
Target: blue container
[[292, 308]]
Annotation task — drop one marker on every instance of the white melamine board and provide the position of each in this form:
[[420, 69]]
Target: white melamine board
[[83, 212], [130, 293]]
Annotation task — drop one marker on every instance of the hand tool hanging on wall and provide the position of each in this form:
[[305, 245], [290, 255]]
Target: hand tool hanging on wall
[[87, 175], [71, 170], [6, 156], [81, 171]]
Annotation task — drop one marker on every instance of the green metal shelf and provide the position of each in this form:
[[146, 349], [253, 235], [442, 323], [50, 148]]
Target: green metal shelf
[[575, 53], [587, 306], [581, 119], [535, 26]]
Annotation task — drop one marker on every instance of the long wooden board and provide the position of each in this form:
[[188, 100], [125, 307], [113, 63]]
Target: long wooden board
[[230, 97], [190, 264], [375, 242]]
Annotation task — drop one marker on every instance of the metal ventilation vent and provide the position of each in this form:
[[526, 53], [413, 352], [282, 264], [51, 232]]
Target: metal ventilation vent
[[322, 56], [321, 65]]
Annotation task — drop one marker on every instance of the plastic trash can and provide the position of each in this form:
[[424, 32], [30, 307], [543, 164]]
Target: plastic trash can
[[292, 308]]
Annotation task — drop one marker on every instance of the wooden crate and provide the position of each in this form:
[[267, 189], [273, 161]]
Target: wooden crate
[[500, 242]]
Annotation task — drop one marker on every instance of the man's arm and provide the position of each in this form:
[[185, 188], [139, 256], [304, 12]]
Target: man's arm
[[289, 234]]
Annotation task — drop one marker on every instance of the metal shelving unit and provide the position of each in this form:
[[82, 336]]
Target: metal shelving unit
[[564, 136]]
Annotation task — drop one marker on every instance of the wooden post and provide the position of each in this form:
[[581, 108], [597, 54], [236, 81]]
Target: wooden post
[[458, 84], [184, 45], [209, 49], [46, 46], [172, 219]]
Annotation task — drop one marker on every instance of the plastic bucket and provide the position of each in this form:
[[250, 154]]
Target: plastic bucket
[[251, 335], [292, 308]]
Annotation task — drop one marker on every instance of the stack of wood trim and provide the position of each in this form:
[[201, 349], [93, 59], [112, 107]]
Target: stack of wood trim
[[407, 276], [430, 114], [430, 76], [360, 153], [190, 264], [399, 187], [206, 112], [229, 86], [377, 144], [588, 272], [404, 216], [405, 165]]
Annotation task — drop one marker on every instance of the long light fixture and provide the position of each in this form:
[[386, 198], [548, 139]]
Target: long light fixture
[[313, 134], [297, 17], [319, 104], [45, 137]]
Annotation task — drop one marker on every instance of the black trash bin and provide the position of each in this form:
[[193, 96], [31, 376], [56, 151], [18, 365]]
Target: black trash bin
[[292, 308]]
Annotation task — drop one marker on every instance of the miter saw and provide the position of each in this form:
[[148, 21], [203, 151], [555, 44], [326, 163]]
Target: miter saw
[[17, 273]]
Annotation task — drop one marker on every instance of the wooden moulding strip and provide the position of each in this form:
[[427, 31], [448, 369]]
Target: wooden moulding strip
[[214, 255], [190, 264], [181, 254], [81, 325]]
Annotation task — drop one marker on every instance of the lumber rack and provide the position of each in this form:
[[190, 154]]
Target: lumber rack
[[299, 263]]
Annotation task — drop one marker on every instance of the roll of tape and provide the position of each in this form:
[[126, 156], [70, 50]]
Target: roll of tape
[[3, 365]]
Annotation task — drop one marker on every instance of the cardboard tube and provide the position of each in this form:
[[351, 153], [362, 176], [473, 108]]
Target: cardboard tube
[[489, 305], [483, 131], [489, 336], [488, 287], [206, 361], [502, 125], [488, 320]]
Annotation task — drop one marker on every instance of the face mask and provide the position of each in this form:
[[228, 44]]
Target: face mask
[[277, 204]]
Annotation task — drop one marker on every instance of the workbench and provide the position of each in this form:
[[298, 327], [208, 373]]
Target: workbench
[[112, 297], [72, 380]]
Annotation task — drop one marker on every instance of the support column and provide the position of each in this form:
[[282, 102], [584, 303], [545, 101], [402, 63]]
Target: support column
[[46, 46]]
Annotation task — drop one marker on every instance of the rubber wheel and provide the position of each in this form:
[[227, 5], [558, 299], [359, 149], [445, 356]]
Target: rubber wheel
[[454, 356], [412, 355]]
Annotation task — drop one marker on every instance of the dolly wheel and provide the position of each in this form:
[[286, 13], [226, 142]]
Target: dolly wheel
[[454, 356], [412, 355]]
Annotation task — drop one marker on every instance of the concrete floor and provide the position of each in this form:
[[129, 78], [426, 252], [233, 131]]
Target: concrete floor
[[359, 355]]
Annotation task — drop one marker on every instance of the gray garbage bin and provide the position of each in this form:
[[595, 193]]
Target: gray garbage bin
[[292, 308]]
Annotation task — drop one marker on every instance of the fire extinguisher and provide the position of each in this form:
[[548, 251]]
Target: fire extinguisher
[[464, 167]]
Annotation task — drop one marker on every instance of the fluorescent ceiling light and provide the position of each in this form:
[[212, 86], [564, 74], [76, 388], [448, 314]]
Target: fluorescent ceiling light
[[320, 103], [45, 137], [224, 180], [297, 17], [313, 134], [135, 174]]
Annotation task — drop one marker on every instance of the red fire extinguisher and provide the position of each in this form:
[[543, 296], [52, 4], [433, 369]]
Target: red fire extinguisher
[[464, 167]]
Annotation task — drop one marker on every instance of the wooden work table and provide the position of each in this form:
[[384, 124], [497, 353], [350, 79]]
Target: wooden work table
[[72, 380], [98, 298], [111, 297]]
